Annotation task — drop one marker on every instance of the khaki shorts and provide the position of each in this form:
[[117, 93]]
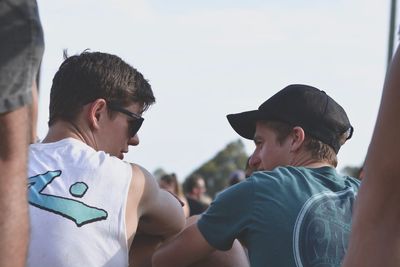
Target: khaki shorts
[[21, 51]]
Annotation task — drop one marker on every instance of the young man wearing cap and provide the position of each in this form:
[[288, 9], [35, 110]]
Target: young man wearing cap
[[296, 209], [86, 203]]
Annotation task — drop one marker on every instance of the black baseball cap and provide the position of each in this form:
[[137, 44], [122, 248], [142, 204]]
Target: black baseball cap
[[298, 105]]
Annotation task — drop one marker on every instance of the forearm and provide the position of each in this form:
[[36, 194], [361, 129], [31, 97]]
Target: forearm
[[187, 248], [375, 239], [142, 249], [13, 187]]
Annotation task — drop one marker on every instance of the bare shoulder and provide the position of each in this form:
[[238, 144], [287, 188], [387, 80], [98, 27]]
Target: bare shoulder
[[146, 183], [159, 216], [139, 172], [158, 212], [135, 195], [142, 188]]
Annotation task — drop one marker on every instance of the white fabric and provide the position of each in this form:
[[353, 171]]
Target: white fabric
[[77, 206]]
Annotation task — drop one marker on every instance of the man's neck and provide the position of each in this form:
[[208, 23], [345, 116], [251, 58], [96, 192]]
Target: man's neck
[[318, 165], [304, 159], [62, 129]]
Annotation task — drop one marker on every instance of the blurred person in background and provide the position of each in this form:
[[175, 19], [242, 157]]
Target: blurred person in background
[[236, 177], [195, 189]]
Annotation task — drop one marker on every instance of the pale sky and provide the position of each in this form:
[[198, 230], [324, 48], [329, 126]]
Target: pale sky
[[206, 59]]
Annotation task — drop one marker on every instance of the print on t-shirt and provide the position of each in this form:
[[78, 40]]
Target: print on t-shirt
[[76, 211], [322, 229]]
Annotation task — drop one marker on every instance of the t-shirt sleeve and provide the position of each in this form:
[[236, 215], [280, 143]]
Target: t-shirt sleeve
[[228, 215]]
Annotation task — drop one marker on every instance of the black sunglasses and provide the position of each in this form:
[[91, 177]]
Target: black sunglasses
[[134, 125]]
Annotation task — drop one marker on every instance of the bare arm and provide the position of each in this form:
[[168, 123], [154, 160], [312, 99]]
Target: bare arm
[[161, 214], [14, 135], [142, 249], [153, 215], [33, 108], [192, 250], [189, 247], [375, 239]]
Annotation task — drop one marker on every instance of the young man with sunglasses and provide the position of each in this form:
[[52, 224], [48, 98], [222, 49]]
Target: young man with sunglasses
[[295, 210], [86, 203]]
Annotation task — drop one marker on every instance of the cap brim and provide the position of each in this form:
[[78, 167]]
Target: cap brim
[[244, 123]]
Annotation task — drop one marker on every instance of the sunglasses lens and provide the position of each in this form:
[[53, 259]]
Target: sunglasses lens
[[135, 126]]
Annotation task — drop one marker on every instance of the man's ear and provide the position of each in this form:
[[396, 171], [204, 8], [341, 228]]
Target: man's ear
[[97, 110], [298, 137]]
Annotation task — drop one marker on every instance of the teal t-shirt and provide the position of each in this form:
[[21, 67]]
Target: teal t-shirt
[[291, 216]]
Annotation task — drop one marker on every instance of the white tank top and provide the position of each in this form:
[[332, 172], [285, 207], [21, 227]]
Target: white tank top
[[77, 200]]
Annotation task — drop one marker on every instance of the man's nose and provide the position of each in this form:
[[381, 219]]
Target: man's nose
[[134, 141], [254, 161]]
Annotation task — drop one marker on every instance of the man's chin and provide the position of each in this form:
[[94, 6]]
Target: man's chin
[[119, 155]]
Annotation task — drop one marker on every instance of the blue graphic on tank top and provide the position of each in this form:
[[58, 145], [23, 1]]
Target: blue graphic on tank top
[[322, 229], [78, 189], [77, 211]]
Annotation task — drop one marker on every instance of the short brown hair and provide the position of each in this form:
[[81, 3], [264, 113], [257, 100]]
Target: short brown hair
[[83, 78], [319, 150]]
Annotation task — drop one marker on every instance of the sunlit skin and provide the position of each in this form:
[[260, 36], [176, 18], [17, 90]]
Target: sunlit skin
[[268, 153], [99, 129], [117, 126], [108, 131], [375, 239]]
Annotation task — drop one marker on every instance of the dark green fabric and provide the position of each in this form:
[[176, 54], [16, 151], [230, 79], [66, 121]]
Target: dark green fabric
[[292, 216]]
